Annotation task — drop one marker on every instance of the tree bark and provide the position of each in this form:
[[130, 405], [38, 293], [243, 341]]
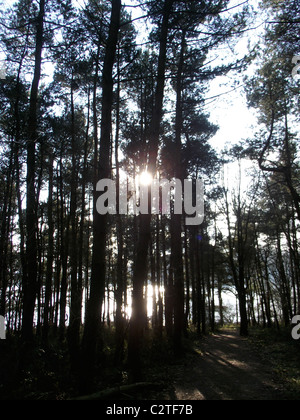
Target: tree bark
[[30, 287], [50, 254], [93, 312], [120, 282], [176, 219], [140, 266], [76, 287]]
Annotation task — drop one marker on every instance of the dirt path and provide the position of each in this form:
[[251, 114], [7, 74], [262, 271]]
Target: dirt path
[[224, 367]]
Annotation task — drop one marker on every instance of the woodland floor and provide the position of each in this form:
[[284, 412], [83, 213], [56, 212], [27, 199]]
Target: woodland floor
[[226, 366], [221, 366]]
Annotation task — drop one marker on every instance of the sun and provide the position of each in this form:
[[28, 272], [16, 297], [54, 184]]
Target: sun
[[145, 178]]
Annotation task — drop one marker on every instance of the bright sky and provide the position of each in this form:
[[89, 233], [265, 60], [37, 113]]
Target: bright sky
[[232, 115], [230, 111]]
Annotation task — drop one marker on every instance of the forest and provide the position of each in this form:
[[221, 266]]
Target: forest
[[125, 90]]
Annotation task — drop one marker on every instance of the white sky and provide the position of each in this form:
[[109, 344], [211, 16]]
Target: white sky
[[232, 115], [230, 111]]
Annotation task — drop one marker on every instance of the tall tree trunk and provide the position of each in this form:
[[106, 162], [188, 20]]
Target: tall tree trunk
[[168, 284], [140, 266], [176, 219], [83, 224], [64, 252], [285, 293], [158, 267], [76, 290], [120, 283], [30, 286], [17, 164], [50, 254], [93, 312], [4, 233]]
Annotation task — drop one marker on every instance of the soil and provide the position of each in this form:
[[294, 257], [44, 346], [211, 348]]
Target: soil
[[223, 367]]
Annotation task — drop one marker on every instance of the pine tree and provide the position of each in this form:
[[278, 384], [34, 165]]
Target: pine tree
[[93, 312]]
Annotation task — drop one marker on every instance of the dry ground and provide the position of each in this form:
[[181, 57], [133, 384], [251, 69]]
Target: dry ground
[[224, 367]]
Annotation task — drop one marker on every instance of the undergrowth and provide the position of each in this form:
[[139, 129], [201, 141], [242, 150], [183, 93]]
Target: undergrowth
[[282, 353]]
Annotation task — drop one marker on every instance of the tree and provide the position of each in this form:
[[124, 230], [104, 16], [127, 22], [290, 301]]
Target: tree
[[273, 92], [240, 236], [93, 313], [140, 265], [30, 285], [181, 18]]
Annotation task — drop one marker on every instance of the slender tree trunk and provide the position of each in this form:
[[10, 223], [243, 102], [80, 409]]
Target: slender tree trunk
[[17, 163], [30, 286], [199, 294], [76, 288], [93, 312], [120, 283], [188, 282], [213, 307], [4, 233], [220, 302], [50, 254], [159, 326], [285, 287], [176, 219], [168, 285], [192, 252], [83, 224], [140, 266], [64, 251], [243, 306]]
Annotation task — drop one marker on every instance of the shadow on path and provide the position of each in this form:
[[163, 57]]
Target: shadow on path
[[225, 368]]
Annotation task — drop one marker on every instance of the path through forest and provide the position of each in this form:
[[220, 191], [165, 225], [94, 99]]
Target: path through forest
[[224, 367]]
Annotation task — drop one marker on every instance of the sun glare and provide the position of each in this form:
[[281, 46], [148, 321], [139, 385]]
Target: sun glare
[[145, 178]]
